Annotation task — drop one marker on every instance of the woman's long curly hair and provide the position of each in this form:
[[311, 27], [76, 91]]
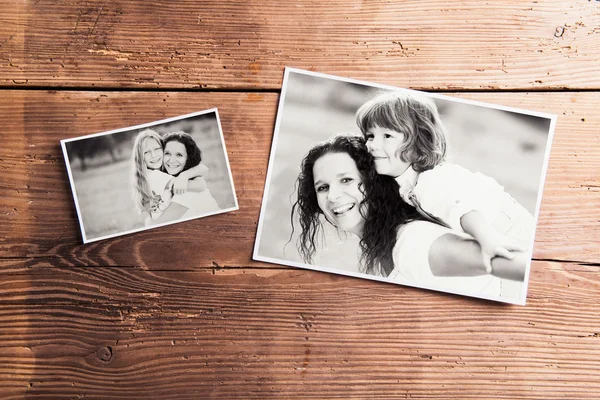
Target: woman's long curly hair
[[194, 155], [382, 208], [142, 194]]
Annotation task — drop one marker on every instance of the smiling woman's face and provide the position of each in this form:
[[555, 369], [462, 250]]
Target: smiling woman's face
[[338, 193], [175, 157]]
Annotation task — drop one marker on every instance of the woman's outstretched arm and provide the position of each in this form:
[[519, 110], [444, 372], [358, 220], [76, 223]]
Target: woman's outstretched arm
[[451, 255]]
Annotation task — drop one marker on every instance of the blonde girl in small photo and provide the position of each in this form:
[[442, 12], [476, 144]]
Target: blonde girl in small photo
[[407, 139], [153, 189]]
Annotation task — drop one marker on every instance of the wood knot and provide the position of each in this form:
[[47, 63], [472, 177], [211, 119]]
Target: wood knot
[[104, 354]]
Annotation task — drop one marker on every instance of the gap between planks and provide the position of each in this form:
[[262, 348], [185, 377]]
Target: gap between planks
[[244, 89]]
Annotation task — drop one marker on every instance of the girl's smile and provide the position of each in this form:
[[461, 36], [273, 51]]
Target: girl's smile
[[175, 157], [153, 154]]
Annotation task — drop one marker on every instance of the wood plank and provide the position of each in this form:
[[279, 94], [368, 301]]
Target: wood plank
[[129, 333], [36, 204], [37, 201], [468, 45]]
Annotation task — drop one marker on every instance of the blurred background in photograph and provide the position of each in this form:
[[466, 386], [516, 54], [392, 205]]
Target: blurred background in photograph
[[506, 146], [102, 169]]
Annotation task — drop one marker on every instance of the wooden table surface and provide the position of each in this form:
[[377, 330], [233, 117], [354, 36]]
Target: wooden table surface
[[149, 316]]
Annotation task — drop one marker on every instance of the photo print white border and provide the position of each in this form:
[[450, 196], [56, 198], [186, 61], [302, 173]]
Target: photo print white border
[[80, 218], [269, 176]]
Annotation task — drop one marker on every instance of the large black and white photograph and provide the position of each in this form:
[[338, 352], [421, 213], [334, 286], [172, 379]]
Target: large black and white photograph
[[145, 176], [407, 187]]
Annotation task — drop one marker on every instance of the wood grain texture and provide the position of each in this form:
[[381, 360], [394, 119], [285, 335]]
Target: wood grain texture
[[145, 316], [36, 200], [469, 45], [119, 333]]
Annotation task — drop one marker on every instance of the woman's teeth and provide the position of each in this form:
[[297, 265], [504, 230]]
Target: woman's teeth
[[342, 209]]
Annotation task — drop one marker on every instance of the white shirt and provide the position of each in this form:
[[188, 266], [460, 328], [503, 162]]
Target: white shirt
[[450, 191], [411, 266], [157, 180], [197, 203]]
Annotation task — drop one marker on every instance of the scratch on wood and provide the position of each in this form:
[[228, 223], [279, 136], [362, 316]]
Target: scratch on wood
[[595, 335], [150, 294], [62, 63], [119, 55], [77, 21], [7, 40], [96, 21], [398, 43]]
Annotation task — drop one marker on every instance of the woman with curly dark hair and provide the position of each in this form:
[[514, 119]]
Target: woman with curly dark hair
[[181, 154], [339, 184]]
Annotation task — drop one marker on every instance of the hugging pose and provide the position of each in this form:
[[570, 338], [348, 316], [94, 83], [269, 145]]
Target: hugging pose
[[419, 220], [168, 178]]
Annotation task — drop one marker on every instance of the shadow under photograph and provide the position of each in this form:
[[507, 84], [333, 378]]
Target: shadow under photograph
[[150, 175], [402, 186]]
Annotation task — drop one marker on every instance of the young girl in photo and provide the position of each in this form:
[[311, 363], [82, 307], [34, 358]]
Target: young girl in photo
[[153, 189], [407, 139]]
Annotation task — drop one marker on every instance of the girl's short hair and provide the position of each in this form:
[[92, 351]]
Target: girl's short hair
[[415, 116], [194, 155], [382, 208], [142, 194]]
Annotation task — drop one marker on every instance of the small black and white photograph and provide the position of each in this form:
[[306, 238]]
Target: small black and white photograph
[[146, 176], [402, 186]]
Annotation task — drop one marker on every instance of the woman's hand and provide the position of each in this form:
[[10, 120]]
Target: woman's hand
[[180, 185]]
